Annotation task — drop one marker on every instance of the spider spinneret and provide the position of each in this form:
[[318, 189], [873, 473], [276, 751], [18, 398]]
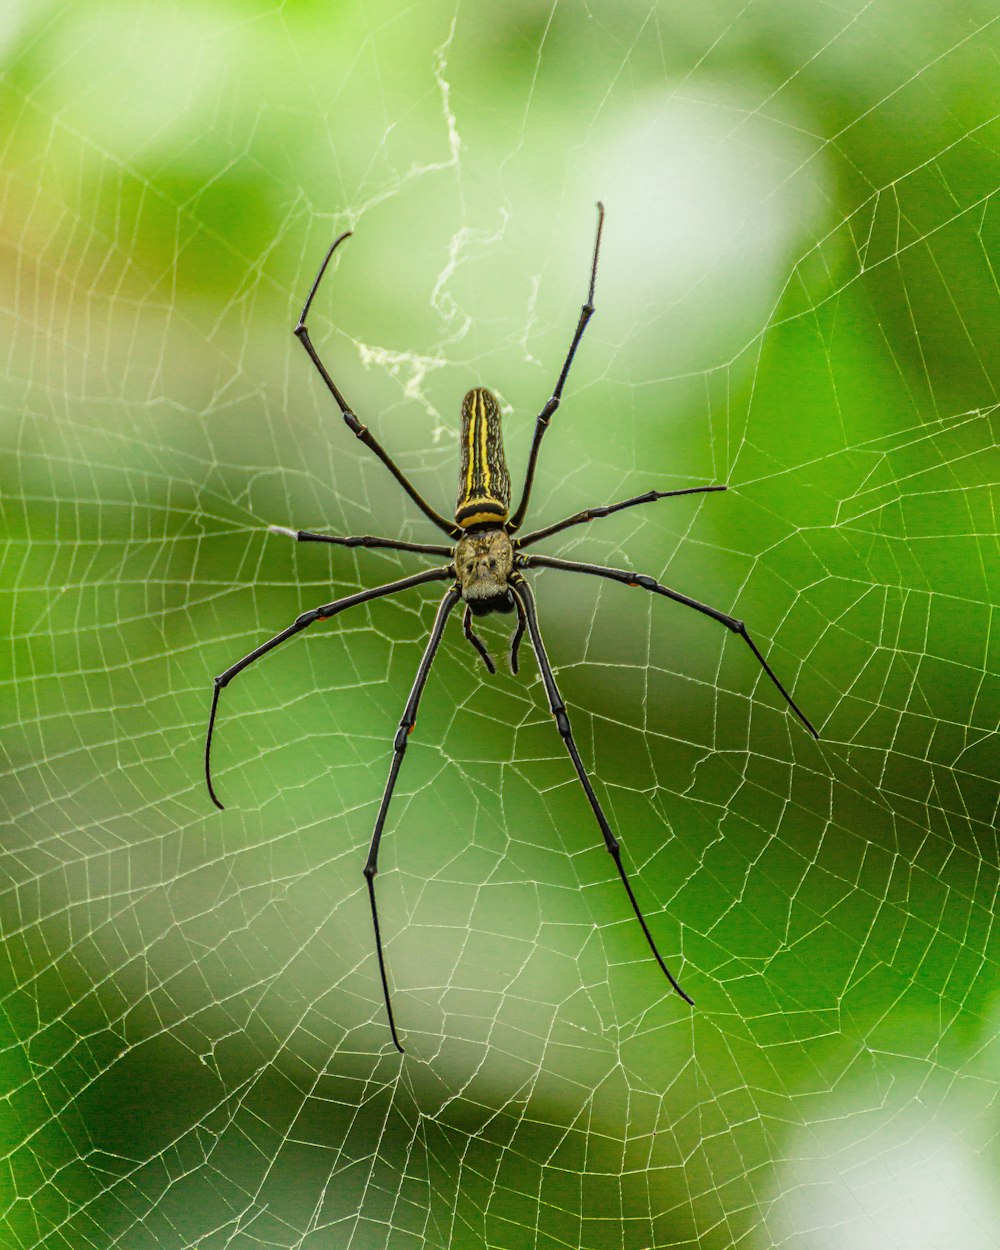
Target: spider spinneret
[[486, 571]]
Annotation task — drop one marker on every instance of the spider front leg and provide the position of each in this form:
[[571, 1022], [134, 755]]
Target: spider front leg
[[649, 583], [558, 708], [515, 642], [300, 623], [406, 723], [545, 416]]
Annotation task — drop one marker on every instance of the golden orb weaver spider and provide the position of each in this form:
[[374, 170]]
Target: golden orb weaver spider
[[486, 566]]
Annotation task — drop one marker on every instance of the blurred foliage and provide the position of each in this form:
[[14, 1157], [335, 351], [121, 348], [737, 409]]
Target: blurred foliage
[[798, 298]]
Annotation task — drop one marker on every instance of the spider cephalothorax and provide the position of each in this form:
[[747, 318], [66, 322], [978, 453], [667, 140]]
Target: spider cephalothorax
[[486, 571], [484, 560]]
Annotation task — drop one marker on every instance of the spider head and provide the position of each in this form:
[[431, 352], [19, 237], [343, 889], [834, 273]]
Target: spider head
[[484, 561]]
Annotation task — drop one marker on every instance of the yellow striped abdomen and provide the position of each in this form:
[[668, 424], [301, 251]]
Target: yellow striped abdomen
[[484, 485]]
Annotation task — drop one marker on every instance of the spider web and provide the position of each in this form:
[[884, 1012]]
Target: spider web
[[798, 299]]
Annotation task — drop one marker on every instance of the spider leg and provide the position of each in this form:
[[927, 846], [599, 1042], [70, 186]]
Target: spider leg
[[558, 708], [407, 721], [363, 540], [515, 641], [591, 514], [648, 583], [353, 424], [545, 416], [300, 623], [477, 642]]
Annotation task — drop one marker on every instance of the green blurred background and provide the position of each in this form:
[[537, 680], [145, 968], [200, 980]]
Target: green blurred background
[[798, 297]]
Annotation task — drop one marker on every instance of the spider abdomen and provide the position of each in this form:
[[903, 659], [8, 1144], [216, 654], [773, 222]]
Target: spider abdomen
[[484, 484]]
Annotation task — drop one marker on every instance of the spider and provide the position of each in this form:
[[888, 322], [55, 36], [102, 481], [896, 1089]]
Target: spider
[[486, 567]]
